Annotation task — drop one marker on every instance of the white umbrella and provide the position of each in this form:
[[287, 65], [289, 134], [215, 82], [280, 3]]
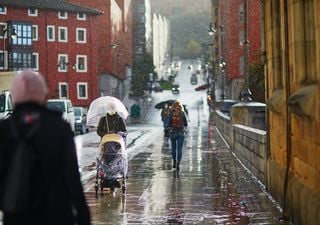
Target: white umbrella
[[100, 106]]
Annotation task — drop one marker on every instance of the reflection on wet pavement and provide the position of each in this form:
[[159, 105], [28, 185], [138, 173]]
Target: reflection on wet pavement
[[210, 188]]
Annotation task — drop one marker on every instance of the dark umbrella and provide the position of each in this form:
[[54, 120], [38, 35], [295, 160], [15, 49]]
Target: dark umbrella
[[160, 105], [201, 87]]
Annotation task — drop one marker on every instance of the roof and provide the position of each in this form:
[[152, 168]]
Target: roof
[[59, 5]]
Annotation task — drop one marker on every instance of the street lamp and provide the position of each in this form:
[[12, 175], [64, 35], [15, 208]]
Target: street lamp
[[246, 93], [222, 66], [13, 35], [211, 30]]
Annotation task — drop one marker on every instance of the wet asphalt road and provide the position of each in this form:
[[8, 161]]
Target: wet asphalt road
[[211, 187]]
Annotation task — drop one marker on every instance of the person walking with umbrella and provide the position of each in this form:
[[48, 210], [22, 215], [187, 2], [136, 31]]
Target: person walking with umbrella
[[177, 125], [165, 112]]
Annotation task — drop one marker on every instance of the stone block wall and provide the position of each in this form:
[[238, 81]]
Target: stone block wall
[[223, 122], [249, 145]]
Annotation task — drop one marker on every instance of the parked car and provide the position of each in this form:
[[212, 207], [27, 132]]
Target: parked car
[[194, 79], [175, 89], [157, 87], [65, 106], [5, 104], [80, 123]]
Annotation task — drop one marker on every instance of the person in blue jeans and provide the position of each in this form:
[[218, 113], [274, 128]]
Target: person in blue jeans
[[177, 125], [165, 112]]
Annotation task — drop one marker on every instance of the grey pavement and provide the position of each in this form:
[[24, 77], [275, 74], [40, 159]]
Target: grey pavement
[[212, 187]]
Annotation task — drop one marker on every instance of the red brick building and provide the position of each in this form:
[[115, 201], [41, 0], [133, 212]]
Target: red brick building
[[56, 38], [114, 41], [230, 37]]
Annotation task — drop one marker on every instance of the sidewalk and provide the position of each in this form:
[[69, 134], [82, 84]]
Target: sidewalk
[[238, 194]]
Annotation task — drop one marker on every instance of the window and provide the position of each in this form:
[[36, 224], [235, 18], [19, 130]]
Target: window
[[62, 15], [241, 14], [50, 33], [141, 8], [3, 60], [81, 35], [81, 63], [34, 32], [63, 34], [32, 12], [3, 27], [142, 19], [63, 90], [24, 32], [82, 90], [62, 62], [19, 60], [3, 10], [81, 16], [241, 38], [35, 61], [241, 65]]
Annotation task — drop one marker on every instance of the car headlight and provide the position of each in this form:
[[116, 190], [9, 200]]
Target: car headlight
[[78, 121]]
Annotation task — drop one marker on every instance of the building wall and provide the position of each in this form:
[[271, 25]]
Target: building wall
[[232, 32], [48, 51], [114, 28], [292, 38], [160, 36]]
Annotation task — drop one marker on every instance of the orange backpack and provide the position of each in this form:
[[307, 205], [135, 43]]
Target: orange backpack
[[176, 119]]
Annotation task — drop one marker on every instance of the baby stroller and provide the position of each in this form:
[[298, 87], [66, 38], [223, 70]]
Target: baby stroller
[[112, 166]]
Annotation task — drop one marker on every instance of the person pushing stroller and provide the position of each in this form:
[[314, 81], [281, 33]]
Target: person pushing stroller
[[111, 123]]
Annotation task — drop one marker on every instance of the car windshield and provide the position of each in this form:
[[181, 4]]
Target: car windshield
[[2, 103], [57, 106], [77, 111]]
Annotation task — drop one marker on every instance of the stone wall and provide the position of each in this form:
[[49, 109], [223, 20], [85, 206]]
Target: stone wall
[[249, 145], [223, 122]]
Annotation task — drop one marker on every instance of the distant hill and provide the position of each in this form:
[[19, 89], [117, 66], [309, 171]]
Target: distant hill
[[189, 21]]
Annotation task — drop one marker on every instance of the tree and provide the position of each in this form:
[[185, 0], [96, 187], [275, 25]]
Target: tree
[[193, 49], [141, 69], [256, 82]]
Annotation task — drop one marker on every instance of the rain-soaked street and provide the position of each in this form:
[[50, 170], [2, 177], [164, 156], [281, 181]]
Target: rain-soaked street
[[212, 187]]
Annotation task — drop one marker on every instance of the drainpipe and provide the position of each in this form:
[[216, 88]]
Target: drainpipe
[[264, 60], [288, 118]]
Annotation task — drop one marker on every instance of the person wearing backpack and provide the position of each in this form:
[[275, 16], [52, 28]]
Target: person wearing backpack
[[177, 126], [51, 193]]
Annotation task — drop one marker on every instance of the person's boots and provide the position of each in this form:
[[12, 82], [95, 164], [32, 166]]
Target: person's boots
[[178, 165], [174, 164]]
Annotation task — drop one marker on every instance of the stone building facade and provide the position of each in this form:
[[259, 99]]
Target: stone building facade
[[292, 68]]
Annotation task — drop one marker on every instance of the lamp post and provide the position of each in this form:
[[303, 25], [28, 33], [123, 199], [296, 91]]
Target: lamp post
[[13, 35], [246, 93], [222, 65], [211, 87]]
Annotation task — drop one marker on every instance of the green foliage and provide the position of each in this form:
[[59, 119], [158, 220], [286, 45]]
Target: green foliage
[[257, 82], [187, 27], [165, 84], [141, 69], [193, 49]]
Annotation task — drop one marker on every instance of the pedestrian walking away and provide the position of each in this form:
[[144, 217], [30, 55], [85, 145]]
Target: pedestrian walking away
[[165, 112], [52, 157], [177, 125]]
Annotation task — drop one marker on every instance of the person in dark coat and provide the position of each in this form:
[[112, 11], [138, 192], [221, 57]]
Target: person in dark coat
[[64, 202], [111, 123]]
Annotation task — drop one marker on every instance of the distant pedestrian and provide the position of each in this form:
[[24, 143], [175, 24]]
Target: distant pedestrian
[[165, 112], [177, 125], [63, 201]]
